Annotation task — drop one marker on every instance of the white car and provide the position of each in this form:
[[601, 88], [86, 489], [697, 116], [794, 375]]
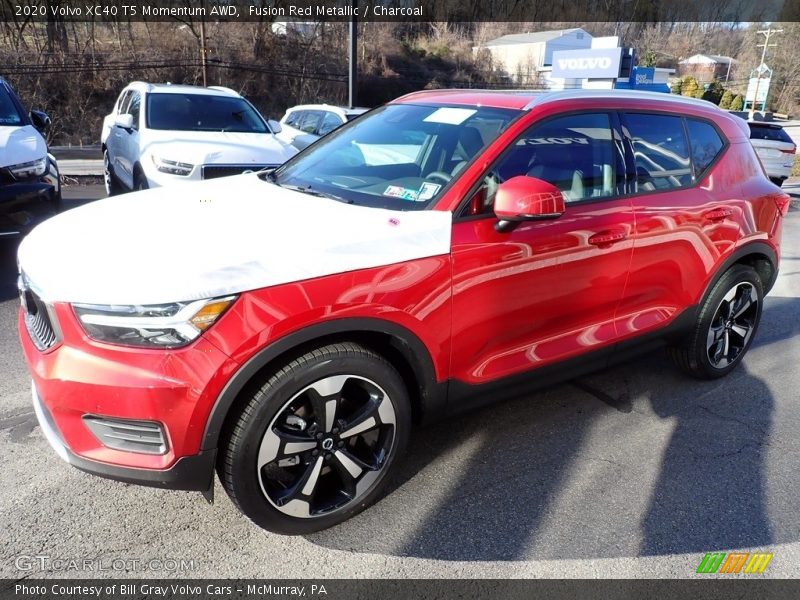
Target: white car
[[305, 124], [160, 134], [774, 148], [30, 187]]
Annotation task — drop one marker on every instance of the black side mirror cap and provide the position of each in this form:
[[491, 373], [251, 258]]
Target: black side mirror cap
[[40, 120]]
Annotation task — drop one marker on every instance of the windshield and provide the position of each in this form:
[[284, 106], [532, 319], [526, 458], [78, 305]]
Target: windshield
[[203, 112], [9, 113], [400, 156]]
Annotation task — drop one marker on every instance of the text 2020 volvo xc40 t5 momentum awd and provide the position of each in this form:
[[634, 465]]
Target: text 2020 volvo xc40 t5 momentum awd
[[287, 327]]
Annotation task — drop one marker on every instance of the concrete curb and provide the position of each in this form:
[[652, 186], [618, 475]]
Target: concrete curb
[[81, 167]]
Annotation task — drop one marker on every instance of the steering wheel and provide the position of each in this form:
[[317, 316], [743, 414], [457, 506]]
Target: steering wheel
[[446, 177]]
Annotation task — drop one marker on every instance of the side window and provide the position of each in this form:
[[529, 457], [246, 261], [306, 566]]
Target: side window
[[706, 144], [133, 108], [293, 118], [576, 153], [310, 122], [122, 102], [660, 151], [329, 123]]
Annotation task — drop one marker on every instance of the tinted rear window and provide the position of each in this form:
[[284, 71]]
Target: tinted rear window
[[767, 132], [706, 144]]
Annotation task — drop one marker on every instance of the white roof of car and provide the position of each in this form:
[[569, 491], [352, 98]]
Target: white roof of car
[[170, 88]]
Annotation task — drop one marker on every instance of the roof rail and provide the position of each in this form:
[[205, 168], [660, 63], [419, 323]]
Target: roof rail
[[477, 91], [553, 96]]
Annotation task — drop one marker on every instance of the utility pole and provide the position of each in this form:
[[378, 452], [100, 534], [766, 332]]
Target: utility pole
[[203, 58], [766, 33], [352, 80]]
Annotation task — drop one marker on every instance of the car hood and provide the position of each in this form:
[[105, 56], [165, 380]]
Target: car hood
[[218, 147], [216, 238], [20, 145]]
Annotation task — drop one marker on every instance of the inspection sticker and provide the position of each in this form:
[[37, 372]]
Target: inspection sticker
[[428, 191], [397, 191]]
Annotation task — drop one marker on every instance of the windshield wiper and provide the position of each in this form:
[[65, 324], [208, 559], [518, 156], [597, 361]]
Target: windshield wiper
[[312, 192], [303, 189]]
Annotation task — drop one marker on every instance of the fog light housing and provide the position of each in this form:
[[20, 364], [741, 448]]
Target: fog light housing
[[143, 437]]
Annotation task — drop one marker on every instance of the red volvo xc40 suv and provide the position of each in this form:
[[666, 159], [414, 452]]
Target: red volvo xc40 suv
[[287, 328]]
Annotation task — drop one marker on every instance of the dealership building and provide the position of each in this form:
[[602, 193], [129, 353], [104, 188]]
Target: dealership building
[[570, 59]]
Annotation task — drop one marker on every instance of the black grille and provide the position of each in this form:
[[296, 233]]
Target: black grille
[[215, 171], [37, 319]]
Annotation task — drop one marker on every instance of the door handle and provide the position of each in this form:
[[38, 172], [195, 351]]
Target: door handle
[[718, 214], [605, 238]]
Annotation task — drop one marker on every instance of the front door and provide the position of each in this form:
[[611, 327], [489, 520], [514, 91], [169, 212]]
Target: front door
[[546, 290]]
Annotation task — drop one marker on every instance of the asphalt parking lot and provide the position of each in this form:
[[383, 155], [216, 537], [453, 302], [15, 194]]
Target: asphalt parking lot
[[633, 472]]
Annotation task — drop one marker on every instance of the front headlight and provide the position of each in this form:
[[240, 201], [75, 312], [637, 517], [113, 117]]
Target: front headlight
[[153, 325], [34, 168], [172, 167]]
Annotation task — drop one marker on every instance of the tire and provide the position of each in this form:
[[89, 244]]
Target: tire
[[55, 175], [139, 180], [339, 462], [112, 183], [725, 326]]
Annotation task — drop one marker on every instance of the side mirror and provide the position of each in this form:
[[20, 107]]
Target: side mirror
[[40, 120], [524, 198], [274, 126], [125, 121]]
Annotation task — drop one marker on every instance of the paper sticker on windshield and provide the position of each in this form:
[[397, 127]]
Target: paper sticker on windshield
[[428, 191], [395, 191], [450, 116]]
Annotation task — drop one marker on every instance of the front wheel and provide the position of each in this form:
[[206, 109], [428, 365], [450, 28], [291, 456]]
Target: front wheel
[[316, 443], [725, 327], [109, 178]]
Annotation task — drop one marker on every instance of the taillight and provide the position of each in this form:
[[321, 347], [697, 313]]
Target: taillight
[[782, 203], [792, 151]]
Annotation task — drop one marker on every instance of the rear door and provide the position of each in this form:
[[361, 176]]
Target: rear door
[[546, 290], [687, 215]]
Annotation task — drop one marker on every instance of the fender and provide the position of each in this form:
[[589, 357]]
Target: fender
[[736, 256], [433, 395]]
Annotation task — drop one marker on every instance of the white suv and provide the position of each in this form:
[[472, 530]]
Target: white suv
[[305, 124], [774, 148], [159, 134]]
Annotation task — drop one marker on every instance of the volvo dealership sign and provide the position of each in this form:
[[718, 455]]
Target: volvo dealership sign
[[588, 63]]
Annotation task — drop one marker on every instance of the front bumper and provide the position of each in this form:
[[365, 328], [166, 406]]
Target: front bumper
[[23, 205], [78, 378], [193, 473]]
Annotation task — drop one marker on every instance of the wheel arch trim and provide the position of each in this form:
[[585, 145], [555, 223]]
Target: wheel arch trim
[[742, 252], [433, 396]]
